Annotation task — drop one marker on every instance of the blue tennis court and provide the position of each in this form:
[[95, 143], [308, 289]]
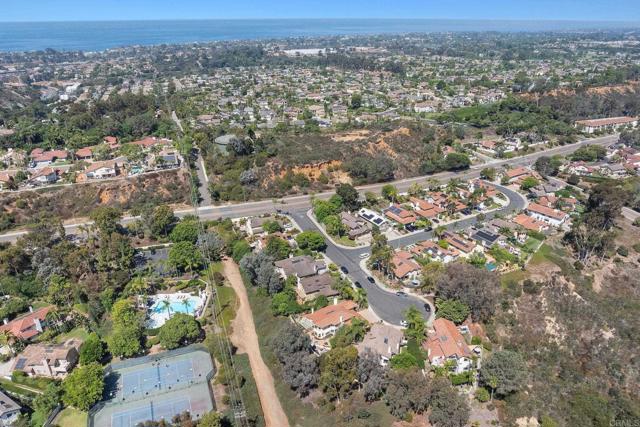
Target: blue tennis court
[[155, 377], [151, 411]]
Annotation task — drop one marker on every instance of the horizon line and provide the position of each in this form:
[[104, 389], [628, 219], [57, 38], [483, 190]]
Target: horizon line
[[571, 20]]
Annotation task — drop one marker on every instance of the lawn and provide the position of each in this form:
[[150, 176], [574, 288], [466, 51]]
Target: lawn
[[531, 244], [15, 388], [344, 240], [416, 351], [228, 302], [79, 333], [70, 417]]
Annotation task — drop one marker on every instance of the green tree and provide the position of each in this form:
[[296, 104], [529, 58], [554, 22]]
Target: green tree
[[356, 101], [350, 334], [46, 402], [106, 219], [184, 256], [158, 220], [211, 419], [416, 325], [456, 161], [488, 173], [404, 360], [452, 309], [390, 192], [125, 341], [92, 350], [528, 183], [334, 226], [277, 248], [311, 240], [448, 407], [350, 196], [504, 372], [83, 387], [339, 372], [180, 330], [185, 231]]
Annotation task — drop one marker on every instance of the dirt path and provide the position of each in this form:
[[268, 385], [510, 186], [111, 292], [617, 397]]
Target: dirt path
[[245, 338]]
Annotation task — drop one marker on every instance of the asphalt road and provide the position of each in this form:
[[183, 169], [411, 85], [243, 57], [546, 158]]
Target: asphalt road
[[387, 305], [304, 201]]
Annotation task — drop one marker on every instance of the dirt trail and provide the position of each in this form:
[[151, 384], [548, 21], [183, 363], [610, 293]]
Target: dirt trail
[[244, 337]]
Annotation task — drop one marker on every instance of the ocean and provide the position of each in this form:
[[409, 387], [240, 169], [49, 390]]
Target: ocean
[[98, 36]]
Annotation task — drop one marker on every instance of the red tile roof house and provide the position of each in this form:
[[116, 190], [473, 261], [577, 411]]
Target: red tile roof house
[[529, 223], [517, 175], [85, 153], [325, 322], [150, 141], [44, 175], [460, 243], [27, 325], [426, 209], [550, 216], [448, 344], [435, 252], [400, 215], [41, 158], [404, 267]]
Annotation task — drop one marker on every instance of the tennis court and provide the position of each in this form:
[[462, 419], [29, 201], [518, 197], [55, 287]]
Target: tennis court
[[154, 410], [161, 375], [155, 387]]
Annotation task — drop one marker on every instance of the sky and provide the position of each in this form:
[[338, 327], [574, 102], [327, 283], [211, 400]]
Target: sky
[[79, 10]]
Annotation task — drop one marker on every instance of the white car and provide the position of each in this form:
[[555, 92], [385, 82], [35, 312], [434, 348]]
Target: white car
[[365, 255], [404, 323]]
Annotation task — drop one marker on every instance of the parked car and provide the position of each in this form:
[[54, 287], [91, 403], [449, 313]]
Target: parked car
[[401, 294], [371, 279], [365, 255], [344, 269], [357, 284]]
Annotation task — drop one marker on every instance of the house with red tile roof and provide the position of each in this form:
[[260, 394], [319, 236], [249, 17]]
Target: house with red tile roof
[[400, 215], [530, 223], [434, 251], [447, 344], [404, 267], [41, 158], [465, 246], [545, 214], [85, 153], [426, 209], [27, 325], [325, 322]]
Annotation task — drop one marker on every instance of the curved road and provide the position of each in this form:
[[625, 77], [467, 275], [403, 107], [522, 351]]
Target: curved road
[[387, 305]]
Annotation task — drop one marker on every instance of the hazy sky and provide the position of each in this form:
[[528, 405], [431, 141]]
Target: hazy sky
[[74, 10]]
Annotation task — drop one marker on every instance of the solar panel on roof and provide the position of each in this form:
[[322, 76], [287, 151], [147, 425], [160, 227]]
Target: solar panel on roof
[[21, 363], [396, 210]]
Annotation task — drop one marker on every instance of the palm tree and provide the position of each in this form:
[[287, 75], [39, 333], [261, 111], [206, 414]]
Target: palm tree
[[439, 231], [186, 305], [166, 304], [493, 383]]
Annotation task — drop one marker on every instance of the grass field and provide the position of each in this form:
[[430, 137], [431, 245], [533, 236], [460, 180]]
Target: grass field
[[15, 388], [80, 333], [70, 417], [228, 302]]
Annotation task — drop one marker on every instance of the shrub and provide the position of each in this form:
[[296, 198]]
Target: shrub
[[530, 287], [482, 395], [622, 251], [476, 340]]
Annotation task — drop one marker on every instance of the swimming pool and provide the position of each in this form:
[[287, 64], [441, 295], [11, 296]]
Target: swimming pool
[[163, 306], [491, 266], [186, 306]]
